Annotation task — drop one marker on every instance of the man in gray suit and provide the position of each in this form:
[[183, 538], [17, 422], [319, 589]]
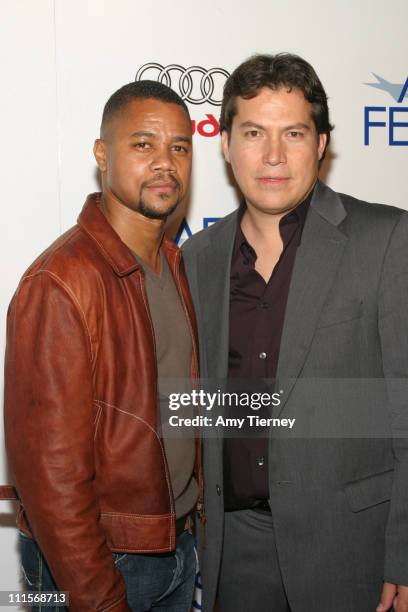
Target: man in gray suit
[[308, 287]]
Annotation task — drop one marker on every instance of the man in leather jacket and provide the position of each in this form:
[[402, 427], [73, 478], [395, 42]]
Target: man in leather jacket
[[96, 321]]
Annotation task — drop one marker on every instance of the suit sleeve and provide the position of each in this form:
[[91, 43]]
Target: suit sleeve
[[393, 328], [49, 439]]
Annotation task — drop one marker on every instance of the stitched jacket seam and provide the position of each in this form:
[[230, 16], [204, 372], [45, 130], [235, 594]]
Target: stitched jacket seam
[[105, 253], [151, 429], [73, 299], [144, 517], [115, 603]]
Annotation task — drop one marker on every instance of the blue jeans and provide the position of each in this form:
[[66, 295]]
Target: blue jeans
[[162, 582]]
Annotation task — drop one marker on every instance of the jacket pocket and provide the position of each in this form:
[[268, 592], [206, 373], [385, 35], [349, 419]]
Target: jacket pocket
[[370, 491], [341, 314]]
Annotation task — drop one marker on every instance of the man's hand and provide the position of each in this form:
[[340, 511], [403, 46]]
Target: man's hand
[[393, 595]]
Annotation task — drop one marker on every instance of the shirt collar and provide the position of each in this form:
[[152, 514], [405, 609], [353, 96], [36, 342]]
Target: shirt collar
[[297, 214]]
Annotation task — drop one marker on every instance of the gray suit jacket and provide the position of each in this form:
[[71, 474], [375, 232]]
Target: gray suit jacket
[[339, 502]]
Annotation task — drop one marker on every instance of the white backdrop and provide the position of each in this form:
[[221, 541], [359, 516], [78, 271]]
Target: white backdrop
[[62, 59]]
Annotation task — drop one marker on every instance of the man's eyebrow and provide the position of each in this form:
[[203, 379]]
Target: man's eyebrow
[[251, 124], [296, 126], [145, 134], [181, 139], [258, 126]]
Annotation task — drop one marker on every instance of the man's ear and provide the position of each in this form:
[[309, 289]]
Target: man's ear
[[100, 154], [322, 145], [225, 145]]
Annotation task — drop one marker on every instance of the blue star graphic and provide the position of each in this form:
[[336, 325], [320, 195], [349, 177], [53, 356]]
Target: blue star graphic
[[398, 91]]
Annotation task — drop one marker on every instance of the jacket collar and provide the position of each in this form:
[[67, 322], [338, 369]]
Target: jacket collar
[[94, 223], [327, 204], [318, 255]]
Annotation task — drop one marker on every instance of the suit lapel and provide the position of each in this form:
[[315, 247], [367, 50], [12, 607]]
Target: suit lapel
[[316, 264], [214, 290]]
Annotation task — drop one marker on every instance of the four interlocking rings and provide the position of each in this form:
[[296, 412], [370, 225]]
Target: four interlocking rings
[[185, 82]]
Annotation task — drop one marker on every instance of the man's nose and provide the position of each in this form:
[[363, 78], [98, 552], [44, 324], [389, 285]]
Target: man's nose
[[274, 153], [163, 160]]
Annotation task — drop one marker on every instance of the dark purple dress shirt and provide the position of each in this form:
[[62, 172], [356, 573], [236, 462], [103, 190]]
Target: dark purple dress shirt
[[257, 312]]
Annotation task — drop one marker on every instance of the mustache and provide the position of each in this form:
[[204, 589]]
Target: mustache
[[162, 178]]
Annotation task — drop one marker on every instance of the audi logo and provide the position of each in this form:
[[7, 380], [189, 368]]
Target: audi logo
[[195, 84]]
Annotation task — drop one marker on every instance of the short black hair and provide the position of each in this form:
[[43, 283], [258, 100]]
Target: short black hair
[[142, 90], [275, 71]]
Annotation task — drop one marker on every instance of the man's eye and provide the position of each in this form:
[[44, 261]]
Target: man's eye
[[180, 149], [252, 133], [295, 134], [142, 145]]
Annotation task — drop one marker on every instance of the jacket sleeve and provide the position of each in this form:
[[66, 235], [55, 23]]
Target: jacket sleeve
[[49, 438], [393, 328]]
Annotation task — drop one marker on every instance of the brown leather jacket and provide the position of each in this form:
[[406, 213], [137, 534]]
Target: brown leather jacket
[[81, 410]]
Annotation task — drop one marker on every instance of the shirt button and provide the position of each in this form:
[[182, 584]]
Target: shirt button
[[262, 355], [260, 461], [218, 489]]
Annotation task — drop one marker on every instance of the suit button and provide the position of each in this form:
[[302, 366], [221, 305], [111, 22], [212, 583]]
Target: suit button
[[260, 461], [262, 355], [218, 489]]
